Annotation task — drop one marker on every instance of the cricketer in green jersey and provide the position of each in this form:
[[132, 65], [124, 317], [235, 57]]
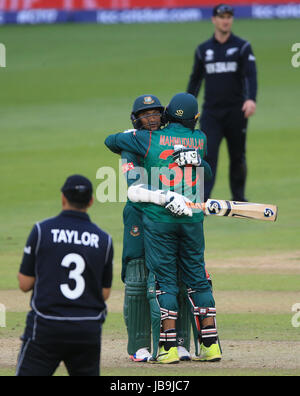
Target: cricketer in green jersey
[[170, 240], [146, 114]]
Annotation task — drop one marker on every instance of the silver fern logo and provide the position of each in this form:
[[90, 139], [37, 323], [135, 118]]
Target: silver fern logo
[[2, 55]]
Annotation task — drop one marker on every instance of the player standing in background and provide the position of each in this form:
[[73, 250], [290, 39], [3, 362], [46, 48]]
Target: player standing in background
[[67, 263], [227, 64], [174, 241], [146, 114]]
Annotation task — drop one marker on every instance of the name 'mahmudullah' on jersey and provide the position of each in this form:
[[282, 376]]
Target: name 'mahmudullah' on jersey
[[187, 142]]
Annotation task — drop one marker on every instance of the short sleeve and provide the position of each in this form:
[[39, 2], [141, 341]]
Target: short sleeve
[[28, 263]]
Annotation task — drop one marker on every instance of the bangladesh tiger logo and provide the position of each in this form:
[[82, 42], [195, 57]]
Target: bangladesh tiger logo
[[148, 100], [135, 231]]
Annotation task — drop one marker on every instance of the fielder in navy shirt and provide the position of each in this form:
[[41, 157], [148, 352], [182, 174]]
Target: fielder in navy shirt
[[227, 65], [67, 264]]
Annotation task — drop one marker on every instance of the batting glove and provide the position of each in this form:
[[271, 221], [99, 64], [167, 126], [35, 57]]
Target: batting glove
[[184, 156], [177, 204]]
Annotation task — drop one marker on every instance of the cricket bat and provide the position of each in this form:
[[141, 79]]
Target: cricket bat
[[242, 210]]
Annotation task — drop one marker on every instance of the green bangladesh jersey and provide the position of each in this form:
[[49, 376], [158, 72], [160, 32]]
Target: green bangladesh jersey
[[161, 172], [131, 164]]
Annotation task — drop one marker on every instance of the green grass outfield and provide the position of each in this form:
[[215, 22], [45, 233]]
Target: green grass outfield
[[66, 87]]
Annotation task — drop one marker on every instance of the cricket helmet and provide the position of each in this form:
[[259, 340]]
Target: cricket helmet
[[183, 109], [144, 103]]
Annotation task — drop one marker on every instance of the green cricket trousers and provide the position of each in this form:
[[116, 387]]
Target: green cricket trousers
[[168, 245]]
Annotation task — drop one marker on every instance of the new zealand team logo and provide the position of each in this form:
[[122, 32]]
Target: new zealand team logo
[[214, 207], [231, 51], [268, 212]]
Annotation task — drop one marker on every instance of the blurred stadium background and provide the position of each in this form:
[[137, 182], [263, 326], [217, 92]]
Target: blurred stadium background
[[66, 86], [134, 11]]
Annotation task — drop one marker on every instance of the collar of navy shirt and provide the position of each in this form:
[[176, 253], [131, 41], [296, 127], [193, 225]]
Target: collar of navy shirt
[[75, 213], [230, 38]]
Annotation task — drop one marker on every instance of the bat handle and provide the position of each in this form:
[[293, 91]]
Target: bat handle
[[197, 205]]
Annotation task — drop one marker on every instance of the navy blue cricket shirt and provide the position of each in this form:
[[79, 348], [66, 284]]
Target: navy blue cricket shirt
[[72, 260], [229, 71]]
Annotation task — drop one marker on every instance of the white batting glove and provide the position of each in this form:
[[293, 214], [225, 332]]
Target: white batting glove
[[177, 204], [184, 156]]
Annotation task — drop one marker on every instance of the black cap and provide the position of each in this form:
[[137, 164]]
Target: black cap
[[77, 188], [221, 9]]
